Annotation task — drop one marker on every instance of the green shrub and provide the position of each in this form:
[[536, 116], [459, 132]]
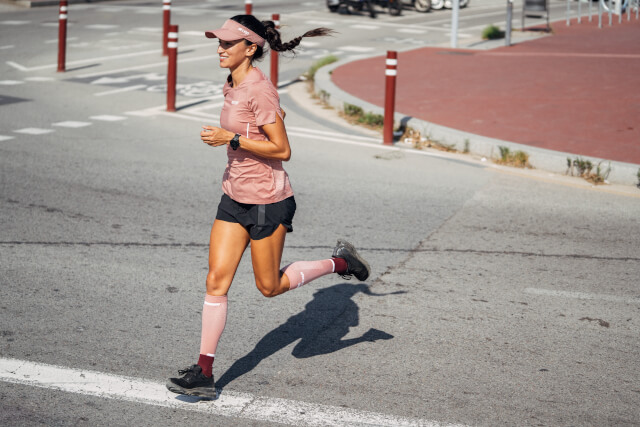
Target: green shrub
[[372, 119], [352, 110], [517, 158], [311, 72], [492, 32]]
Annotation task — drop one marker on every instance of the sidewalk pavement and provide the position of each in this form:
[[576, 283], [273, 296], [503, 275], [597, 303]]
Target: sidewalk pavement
[[574, 93]]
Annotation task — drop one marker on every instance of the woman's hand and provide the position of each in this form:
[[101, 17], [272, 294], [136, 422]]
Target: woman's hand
[[214, 136]]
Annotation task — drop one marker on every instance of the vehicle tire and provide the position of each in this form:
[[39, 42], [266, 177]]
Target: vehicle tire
[[437, 4], [606, 5], [448, 4], [395, 7], [422, 5], [333, 8]]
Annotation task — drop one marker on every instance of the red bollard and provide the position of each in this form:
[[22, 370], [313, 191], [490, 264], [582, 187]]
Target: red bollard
[[390, 95], [166, 21], [274, 55], [248, 6], [62, 36], [172, 46]]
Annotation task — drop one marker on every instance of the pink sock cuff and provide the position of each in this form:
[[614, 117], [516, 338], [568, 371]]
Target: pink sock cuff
[[214, 300]]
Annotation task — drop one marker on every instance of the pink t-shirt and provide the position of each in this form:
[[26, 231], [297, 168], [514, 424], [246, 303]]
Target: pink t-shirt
[[249, 178]]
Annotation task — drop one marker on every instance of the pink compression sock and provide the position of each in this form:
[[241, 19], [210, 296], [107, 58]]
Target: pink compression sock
[[302, 272], [214, 317]]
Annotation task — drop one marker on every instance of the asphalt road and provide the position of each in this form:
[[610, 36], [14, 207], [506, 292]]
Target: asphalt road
[[497, 297]]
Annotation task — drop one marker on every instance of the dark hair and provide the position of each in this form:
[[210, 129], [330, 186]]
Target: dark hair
[[267, 30]]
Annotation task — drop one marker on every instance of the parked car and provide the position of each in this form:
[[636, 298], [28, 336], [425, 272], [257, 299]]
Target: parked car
[[448, 4]]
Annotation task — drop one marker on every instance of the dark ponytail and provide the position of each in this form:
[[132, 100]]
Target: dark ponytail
[[268, 31]]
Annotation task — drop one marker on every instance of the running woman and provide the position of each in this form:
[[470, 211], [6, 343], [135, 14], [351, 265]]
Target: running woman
[[257, 206]]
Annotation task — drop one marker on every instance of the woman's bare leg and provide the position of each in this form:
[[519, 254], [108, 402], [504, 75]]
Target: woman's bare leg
[[227, 243], [266, 255]]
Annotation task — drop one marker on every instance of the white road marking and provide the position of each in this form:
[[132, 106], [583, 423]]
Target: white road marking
[[15, 22], [51, 41], [16, 65], [11, 82], [365, 27], [34, 131], [358, 49], [326, 23], [39, 79], [229, 404], [146, 30], [120, 90], [108, 118], [141, 67], [101, 26], [107, 58], [9, 46], [583, 295], [5, 137], [410, 31], [72, 124]]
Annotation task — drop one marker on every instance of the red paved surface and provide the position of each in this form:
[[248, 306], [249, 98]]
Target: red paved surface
[[577, 90]]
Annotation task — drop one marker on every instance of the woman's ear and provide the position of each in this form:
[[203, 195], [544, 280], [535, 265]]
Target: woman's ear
[[251, 50]]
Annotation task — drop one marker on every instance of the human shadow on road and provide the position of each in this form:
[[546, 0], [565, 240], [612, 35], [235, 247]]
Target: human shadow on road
[[320, 328]]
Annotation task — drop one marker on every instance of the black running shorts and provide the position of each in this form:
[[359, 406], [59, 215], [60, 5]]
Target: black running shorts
[[259, 220]]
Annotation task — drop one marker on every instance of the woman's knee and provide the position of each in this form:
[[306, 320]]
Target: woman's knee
[[268, 287], [217, 283]]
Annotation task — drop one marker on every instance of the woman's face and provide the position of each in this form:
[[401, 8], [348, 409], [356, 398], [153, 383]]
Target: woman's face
[[233, 52]]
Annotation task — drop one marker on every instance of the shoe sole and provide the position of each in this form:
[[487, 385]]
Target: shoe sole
[[355, 253], [197, 391]]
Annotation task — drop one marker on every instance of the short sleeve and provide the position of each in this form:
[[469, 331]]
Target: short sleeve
[[265, 103]]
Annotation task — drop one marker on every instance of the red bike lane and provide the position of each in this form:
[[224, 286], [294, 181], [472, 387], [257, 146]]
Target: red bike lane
[[576, 90]]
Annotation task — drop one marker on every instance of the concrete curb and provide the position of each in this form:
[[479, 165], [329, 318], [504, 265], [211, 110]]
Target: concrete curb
[[549, 160]]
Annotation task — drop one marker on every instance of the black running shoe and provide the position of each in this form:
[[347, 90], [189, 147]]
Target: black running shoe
[[193, 383], [356, 265]]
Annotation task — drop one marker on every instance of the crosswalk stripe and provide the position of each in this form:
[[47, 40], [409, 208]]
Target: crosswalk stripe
[[34, 131], [72, 124]]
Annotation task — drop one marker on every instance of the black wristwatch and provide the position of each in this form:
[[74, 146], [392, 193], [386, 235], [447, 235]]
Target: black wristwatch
[[235, 141]]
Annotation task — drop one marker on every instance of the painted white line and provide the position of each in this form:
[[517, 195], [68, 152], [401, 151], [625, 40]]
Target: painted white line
[[120, 90], [15, 22], [192, 33], [9, 46], [34, 131], [583, 295], [39, 79], [358, 49], [146, 30], [5, 137], [50, 41], [325, 23], [72, 124], [365, 27], [11, 82], [410, 31], [108, 118], [140, 67], [229, 404], [337, 138], [101, 26], [336, 134]]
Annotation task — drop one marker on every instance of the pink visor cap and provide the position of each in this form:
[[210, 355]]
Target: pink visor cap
[[231, 30]]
